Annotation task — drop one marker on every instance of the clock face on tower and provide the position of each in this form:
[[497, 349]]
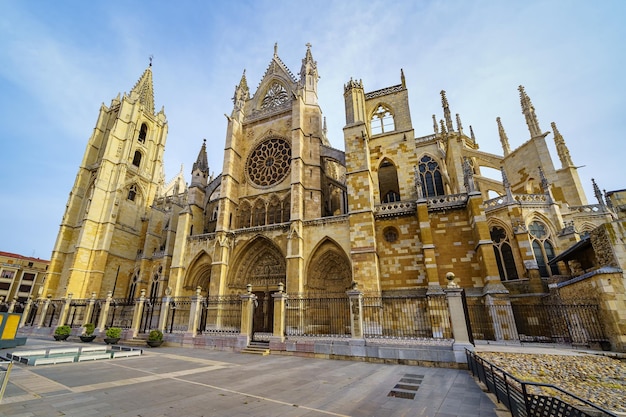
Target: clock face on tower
[[269, 163]]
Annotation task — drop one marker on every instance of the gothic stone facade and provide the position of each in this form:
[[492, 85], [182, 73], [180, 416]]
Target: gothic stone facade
[[396, 211]]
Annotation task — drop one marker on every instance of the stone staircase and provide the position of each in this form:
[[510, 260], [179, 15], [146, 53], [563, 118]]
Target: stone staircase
[[257, 348]]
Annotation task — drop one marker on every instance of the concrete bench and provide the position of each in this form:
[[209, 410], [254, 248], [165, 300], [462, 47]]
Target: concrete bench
[[53, 360], [62, 351], [126, 353], [19, 353], [91, 349], [94, 356]]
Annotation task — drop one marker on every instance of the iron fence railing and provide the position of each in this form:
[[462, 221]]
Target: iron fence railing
[[178, 315], [311, 315], [551, 323], [530, 399], [405, 316], [221, 315], [121, 313]]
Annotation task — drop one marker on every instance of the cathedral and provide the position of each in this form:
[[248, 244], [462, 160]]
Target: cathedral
[[396, 211]]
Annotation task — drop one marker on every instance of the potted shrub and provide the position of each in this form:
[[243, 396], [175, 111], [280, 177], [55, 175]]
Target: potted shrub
[[62, 332], [155, 338], [88, 335], [113, 335]]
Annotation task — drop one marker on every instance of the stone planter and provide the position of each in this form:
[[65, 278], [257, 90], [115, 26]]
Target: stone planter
[[87, 339], [60, 336], [111, 340], [154, 343]]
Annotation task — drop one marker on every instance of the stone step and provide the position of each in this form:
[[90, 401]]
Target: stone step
[[256, 351]]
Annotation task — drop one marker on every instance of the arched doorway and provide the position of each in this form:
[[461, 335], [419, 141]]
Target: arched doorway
[[263, 267]]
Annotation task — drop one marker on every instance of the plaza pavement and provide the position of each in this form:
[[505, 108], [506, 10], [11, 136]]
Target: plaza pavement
[[175, 381]]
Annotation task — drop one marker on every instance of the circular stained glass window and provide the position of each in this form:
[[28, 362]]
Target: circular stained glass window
[[269, 162]]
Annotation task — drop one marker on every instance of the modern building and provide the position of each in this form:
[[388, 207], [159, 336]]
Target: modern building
[[21, 277]]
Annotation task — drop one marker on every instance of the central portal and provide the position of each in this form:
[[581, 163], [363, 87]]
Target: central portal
[[263, 318]]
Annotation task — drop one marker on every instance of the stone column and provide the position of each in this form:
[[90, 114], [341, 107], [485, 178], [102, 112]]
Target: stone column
[[194, 313], [248, 302], [458, 320], [499, 308], [44, 311], [104, 313], [165, 310], [137, 313], [89, 311], [12, 305], [280, 299], [65, 311], [26, 312]]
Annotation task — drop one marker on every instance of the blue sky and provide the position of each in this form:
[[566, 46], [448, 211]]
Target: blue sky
[[60, 60]]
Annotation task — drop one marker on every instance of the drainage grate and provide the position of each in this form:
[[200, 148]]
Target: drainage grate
[[407, 387], [401, 394]]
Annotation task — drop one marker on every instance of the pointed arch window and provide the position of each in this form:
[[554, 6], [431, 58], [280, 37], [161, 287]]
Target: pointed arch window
[[504, 254], [388, 182], [132, 192], [137, 159], [143, 132], [382, 121], [259, 215], [132, 289], [154, 285], [431, 178], [543, 248], [244, 216]]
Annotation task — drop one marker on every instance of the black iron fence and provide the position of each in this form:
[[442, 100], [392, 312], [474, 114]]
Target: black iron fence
[[178, 315], [221, 315], [317, 315], [552, 323], [530, 399], [121, 313], [405, 316]]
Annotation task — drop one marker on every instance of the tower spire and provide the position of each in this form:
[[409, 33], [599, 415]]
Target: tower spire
[[459, 126], [144, 89], [435, 125], [446, 111], [561, 148], [503, 138], [200, 169], [529, 112], [242, 92], [309, 77]]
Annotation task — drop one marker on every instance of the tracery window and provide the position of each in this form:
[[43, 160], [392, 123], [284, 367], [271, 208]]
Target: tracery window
[[275, 96], [504, 254], [154, 286], [269, 163], [543, 249], [390, 234], [431, 178], [143, 131], [244, 216], [382, 121]]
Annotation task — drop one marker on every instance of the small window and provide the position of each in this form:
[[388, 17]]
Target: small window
[[132, 192], [137, 159], [143, 131], [382, 121], [391, 234]]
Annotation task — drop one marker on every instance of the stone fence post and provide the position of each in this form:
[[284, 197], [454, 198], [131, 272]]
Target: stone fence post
[[44, 311], [280, 299], [137, 313], [194, 313], [104, 313], [65, 311], [26, 312], [248, 302], [89, 311]]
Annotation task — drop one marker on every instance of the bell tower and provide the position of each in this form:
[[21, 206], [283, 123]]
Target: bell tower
[[102, 230]]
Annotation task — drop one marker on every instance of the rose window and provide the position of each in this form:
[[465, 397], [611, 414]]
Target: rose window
[[269, 162]]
